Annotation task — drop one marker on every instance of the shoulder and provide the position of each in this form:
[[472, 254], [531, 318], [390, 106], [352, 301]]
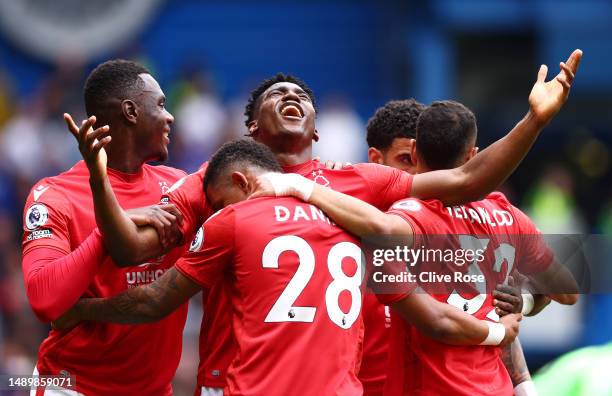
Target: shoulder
[[418, 206], [189, 183], [498, 198], [167, 171], [49, 190]]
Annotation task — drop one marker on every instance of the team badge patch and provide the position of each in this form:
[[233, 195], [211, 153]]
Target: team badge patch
[[410, 205], [36, 216], [196, 244]]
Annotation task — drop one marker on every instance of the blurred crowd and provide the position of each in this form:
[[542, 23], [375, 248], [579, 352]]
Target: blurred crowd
[[35, 143]]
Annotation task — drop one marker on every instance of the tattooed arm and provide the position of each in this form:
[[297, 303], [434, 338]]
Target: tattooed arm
[[514, 360], [137, 305]]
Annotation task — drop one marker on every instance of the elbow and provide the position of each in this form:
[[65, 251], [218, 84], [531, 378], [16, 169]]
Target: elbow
[[43, 313], [566, 299], [379, 225], [44, 307]]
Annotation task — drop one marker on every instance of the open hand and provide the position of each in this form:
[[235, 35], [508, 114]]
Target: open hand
[[263, 188], [547, 98], [91, 143]]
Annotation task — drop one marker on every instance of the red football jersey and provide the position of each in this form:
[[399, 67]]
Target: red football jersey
[[188, 196], [376, 184], [296, 295], [377, 322], [502, 239], [107, 359]]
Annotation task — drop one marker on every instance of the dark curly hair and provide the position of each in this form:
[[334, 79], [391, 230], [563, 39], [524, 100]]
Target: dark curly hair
[[444, 132], [114, 79], [239, 151], [249, 111], [396, 119]]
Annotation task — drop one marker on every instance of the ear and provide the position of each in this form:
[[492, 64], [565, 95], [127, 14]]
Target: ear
[[240, 180], [472, 153], [375, 156], [413, 152], [315, 136], [129, 110], [253, 127]]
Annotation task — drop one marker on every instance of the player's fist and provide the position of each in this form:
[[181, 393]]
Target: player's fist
[[511, 325], [91, 143], [547, 98]]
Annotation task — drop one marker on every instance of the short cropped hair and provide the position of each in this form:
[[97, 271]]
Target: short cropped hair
[[444, 131], [242, 151], [396, 119], [249, 111], [114, 79]]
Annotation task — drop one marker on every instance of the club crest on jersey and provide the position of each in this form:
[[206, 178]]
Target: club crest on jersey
[[36, 216], [410, 205], [319, 178], [164, 187], [196, 244]]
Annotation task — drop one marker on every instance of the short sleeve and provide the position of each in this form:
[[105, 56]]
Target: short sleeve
[[211, 251], [535, 255], [188, 196], [46, 219], [387, 185]]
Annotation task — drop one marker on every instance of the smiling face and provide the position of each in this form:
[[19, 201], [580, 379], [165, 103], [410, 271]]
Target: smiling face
[[153, 121], [284, 115]]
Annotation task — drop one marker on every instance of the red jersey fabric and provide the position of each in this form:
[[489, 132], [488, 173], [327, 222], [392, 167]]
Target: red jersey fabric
[[419, 365], [377, 323], [107, 359], [376, 184], [188, 196], [296, 296]]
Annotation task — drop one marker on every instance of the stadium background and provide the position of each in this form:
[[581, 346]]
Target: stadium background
[[207, 56]]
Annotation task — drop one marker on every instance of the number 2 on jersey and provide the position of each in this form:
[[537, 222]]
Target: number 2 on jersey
[[283, 309]]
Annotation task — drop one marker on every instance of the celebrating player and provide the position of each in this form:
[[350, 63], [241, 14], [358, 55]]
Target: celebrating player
[[391, 137], [507, 238], [281, 113], [291, 296], [64, 257]]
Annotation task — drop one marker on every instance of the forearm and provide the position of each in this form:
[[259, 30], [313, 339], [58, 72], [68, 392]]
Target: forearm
[[127, 243], [55, 281], [488, 170], [352, 214], [440, 321], [514, 360], [140, 304], [133, 306]]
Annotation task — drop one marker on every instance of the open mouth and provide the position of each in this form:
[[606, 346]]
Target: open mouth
[[291, 110]]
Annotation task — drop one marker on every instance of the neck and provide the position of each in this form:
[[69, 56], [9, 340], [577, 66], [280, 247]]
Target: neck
[[123, 154], [288, 151], [291, 159]]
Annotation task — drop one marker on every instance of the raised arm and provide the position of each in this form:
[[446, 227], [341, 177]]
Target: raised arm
[[487, 170], [126, 242], [136, 305], [449, 325]]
